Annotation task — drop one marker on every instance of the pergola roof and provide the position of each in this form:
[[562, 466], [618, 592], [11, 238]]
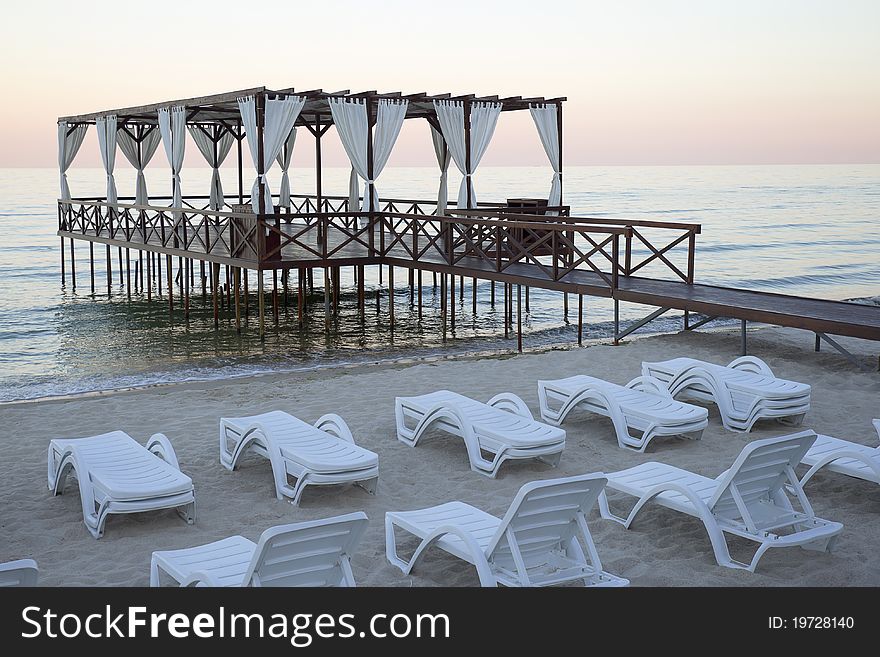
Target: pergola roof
[[223, 108]]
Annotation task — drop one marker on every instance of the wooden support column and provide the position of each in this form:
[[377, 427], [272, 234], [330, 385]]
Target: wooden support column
[[247, 296], [580, 320], [519, 340], [565, 306], [63, 279], [262, 304], [72, 262], [527, 299], [492, 295], [412, 287], [391, 296], [443, 304], [92, 265], [327, 299], [474, 295], [170, 283], [506, 326], [215, 291], [128, 274], [119, 254], [158, 269], [420, 293], [616, 321], [237, 297], [109, 272], [275, 295], [300, 301], [361, 293], [149, 278], [452, 300], [202, 275], [467, 154]]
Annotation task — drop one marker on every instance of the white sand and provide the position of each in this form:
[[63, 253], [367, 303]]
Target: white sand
[[663, 548]]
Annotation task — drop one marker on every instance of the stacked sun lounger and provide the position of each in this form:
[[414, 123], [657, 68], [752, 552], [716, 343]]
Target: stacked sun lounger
[[844, 457], [643, 404], [502, 427], [745, 390]]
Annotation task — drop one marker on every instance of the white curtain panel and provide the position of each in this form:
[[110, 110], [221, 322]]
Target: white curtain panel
[[484, 117], [129, 147], [443, 159], [389, 119], [280, 115], [545, 118], [172, 125], [69, 141], [450, 114], [106, 127], [205, 143], [283, 159], [350, 119]]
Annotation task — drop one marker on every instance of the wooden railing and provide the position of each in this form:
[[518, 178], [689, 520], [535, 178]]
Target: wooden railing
[[490, 238]]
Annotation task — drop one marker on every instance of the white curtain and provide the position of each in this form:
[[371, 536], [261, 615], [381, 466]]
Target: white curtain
[[69, 141], [129, 147], [443, 159], [206, 145], [283, 160], [106, 127], [484, 117], [280, 115], [389, 119], [545, 118], [350, 119], [172, 125]]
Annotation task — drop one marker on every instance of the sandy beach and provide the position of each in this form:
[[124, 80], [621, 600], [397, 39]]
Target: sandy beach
[[662, 549]]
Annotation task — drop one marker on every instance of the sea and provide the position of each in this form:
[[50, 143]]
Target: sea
[[810, 230]]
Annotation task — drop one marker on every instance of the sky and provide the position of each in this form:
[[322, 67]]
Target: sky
[[647, 82]]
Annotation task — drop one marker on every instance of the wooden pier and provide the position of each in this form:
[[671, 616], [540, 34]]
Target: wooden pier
[[517, 244]]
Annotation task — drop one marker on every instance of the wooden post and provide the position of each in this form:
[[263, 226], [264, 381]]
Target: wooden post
[[72, 262], [128, 274], [149, 278], [519, 318], [391, 296], [247, 305], [239, 139], [559, 135], [361, 294], [109, 272], [467, 153], [420, 293], [412, 287], [452, 300], [616, 320], [261, 304], [327, 299], [170, 283], [92, 265], [565, 306], [506, 327], [63, 279], [275, 295], [215, 290], [474, 295], [119, 254], [187, 268], [527, 299], [443, 304], [580, 320], [319, 199], [301, 288], [159, 272], [237, 283], [492, 295], [202, 275]]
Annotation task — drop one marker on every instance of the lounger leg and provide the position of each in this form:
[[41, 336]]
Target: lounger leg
[[369, 485], [793, 420], [551, 459], [297, 492], [154, 573], [188, 512]]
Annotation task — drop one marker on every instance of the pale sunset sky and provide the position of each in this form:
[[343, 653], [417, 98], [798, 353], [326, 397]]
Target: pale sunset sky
[[648, 82]]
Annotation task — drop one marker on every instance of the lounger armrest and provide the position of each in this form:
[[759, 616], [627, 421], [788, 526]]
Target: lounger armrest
[[507, 401], [751, 364], [161, 447], [200, 578], [335, 425], [650, 385]]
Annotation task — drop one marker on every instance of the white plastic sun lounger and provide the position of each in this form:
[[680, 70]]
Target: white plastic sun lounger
[[322, 454], [534, 544], [745, 390], [845, 457], [116, 474], [748, 500], [314, 553], [643, 404], [23, 572], [503, 427]]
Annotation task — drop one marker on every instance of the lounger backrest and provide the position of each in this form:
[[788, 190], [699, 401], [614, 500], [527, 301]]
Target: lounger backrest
[[18, 573], [542, 517], [760, 472], [311, 553]]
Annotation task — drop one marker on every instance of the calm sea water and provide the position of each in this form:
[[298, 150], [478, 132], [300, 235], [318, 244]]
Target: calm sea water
[[810, 230]]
